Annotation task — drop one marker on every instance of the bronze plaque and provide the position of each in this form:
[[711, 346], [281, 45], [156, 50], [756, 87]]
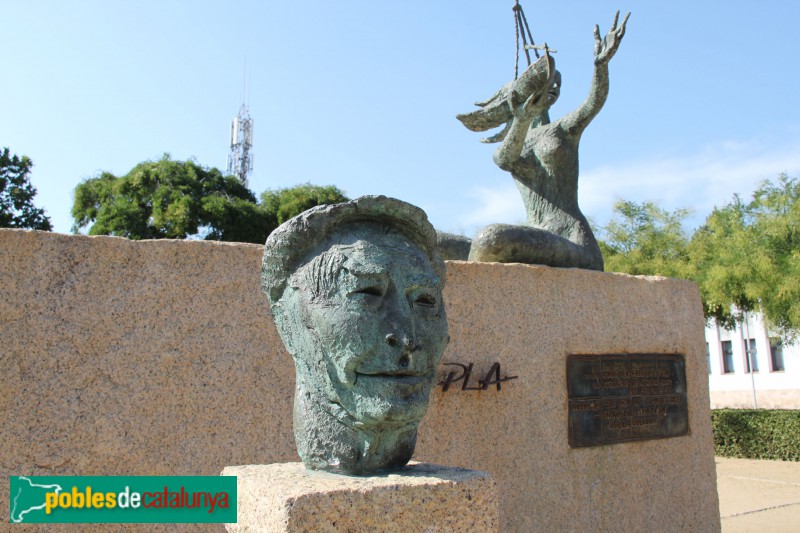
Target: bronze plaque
[[622, 398]]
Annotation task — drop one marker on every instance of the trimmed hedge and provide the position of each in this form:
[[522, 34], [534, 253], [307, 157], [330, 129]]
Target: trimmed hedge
[[757, 434]]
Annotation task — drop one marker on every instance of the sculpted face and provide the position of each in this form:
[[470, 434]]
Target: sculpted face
[[356, 293], [555, 89], [374, 325]]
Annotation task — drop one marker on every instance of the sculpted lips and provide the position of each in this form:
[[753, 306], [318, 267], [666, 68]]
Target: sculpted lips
[[397, 376]]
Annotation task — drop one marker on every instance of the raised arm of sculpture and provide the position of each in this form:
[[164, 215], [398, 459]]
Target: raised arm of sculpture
[[524, 113], [542, 157], [604, 50]]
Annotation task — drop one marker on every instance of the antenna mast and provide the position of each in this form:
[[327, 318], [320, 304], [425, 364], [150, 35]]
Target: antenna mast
[[240, 160]]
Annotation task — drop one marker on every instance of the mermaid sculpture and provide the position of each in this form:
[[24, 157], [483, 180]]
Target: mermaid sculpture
[[542, 157]]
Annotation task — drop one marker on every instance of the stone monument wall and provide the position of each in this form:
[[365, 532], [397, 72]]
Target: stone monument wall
[[160, 357]]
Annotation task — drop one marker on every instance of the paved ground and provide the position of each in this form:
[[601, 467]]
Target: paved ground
[[758, 496]]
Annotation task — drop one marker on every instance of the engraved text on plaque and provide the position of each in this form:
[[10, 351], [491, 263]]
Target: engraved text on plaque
[[620, 398]]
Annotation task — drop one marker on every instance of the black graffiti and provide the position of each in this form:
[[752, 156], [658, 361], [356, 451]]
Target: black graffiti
[[492, 377]]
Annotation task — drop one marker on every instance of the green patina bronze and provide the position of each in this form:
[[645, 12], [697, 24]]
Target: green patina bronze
[[542, 157], [356, 293]]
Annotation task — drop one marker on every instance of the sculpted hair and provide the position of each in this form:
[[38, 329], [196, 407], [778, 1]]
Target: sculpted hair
[[320, 272], [287, 247]]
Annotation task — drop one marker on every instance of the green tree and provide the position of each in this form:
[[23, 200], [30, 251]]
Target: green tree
[[16, 195], [776, 220], [722, 261], [170, 199], [642, 239], [290, 202], [746, 257]]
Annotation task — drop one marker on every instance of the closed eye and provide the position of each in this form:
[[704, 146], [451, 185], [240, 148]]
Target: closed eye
[[370, 291], [425, 300]]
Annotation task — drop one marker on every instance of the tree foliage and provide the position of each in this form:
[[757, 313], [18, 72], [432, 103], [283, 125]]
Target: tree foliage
[[16, 195], [745, 257], [722, 262], [776, 220], [169, 199], [290, 202], [643, 239]]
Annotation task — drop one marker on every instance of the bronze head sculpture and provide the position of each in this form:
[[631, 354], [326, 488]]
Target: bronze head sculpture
[[356, 293]]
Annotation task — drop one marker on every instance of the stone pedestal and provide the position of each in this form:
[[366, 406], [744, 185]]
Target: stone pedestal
[[180, 339], [285, 497]]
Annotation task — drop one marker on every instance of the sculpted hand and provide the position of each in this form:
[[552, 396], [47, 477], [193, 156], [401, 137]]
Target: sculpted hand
[[535, 104], [531, 108], [604, 49]]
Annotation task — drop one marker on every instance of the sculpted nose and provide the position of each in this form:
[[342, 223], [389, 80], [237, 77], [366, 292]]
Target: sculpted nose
[[401, 335], [409, 346], [408, 343], [391, 340]]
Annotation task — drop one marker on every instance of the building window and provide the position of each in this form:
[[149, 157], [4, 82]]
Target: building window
[[750, 355], [708, 358], [776, 354], [727, 357]]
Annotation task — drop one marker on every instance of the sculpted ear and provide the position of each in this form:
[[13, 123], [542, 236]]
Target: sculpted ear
[[287, 316]]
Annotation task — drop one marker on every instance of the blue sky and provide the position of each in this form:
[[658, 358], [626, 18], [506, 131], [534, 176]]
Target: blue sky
[[363, 95]]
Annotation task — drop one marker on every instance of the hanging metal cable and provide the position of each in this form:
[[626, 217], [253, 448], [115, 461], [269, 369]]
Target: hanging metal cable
[[524, 32]]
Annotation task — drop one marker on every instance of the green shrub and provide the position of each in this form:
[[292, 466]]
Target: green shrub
[[757, 434]]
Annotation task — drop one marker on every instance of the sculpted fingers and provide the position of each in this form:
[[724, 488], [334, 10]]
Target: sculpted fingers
[[605, 48], [597, 39], [532, 106], [621, 30], [614, 24], [532, 103]]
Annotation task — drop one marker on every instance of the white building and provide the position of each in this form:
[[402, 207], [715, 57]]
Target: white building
[[775, 380]]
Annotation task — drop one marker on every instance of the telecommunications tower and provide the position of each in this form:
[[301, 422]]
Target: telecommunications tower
[[240, 160]]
